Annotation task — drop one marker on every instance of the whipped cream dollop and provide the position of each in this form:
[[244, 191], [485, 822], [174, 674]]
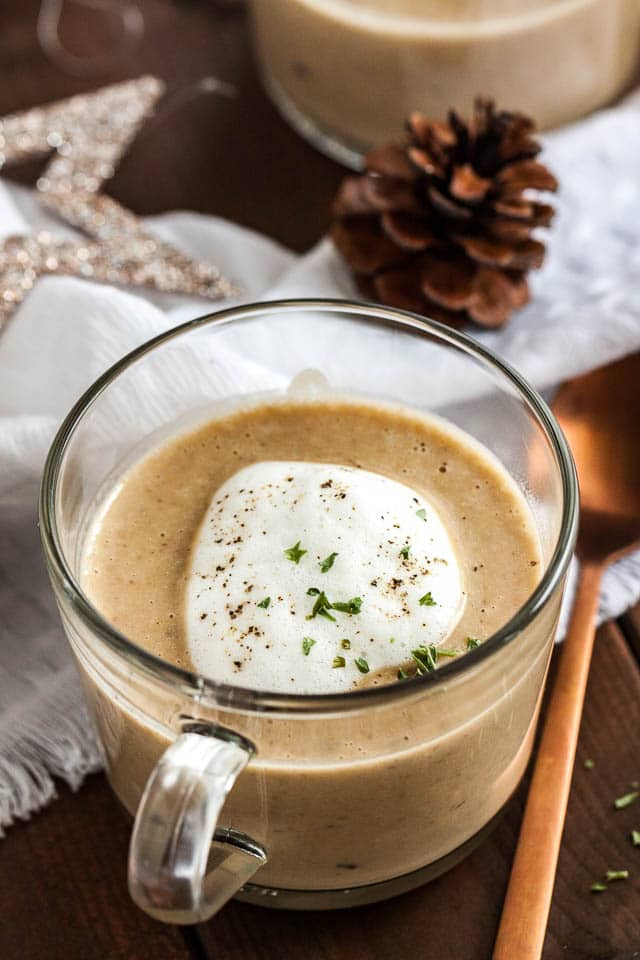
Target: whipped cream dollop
[[305, 576]]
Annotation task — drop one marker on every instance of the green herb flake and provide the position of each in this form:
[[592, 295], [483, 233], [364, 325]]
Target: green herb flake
[[402, 675], [589, 764], [427, 600], [350, 606], [625, 800], [425, 659], [321, 607], [307, 643], [446, 653], [392, 639], [422, 513], [345, 644], [294, 553], [313, 592], [472, 643], [635, 837], [339, 662], [404, 553], [361, 664], [597, 887], [264, 603], [327, 563], [616, 875]]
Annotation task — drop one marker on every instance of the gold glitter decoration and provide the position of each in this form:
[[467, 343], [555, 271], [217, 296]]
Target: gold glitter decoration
[[88, 135]]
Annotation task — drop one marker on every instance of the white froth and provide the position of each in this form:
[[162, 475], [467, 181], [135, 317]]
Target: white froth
[[239, 560]]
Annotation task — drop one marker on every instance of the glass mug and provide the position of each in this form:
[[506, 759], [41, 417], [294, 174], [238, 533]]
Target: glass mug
[[291, 800], [346, 73]]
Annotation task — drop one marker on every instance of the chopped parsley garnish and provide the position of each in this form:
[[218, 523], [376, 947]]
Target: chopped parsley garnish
[[392, 639], [339, 662], [294, 553], [345, 644], [589, 764], [405, 552], [327, 563], [635, 837], [321, 607], [402, 675], [425, 659], [307, 643], [350, 606], [362, 664], [427, 600], [323, 612], [472, 643], [616, 875], [626, 800], [422, 513], [264, 603], [610, 877]]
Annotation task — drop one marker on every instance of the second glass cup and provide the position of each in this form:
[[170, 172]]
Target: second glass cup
[[347, 73]]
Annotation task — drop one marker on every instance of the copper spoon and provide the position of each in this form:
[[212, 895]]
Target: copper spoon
[[600, 415]]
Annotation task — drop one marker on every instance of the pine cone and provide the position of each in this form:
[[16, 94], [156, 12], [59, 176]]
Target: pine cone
[[443, 225]]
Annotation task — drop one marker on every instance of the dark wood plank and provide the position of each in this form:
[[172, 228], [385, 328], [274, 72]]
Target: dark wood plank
[[456, 916], [63, 886], [631, 626], [233, 158], [597, 836]]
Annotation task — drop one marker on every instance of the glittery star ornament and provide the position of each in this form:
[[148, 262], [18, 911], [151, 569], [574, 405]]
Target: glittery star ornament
[[88, 135]]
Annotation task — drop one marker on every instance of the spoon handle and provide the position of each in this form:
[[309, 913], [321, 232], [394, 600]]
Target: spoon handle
[[526, 907]]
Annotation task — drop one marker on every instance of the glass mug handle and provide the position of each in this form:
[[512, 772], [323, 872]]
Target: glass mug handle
[[181, 869]]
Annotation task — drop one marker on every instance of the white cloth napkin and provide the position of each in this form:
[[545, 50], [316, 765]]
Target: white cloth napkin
[[585, 312]]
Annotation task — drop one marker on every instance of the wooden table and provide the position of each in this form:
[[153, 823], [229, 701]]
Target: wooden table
[[62, 875]]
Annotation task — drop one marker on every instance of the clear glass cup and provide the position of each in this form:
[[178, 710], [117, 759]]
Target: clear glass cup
[[346, 73], [246, 792]]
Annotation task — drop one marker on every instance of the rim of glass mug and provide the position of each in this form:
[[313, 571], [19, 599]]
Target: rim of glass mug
[[237, 697]]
